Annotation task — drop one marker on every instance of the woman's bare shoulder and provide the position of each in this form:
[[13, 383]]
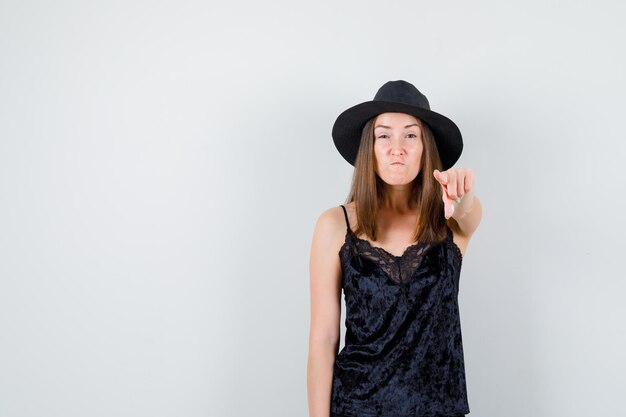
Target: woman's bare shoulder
[[330, 230], [325, 266], [330, 226]]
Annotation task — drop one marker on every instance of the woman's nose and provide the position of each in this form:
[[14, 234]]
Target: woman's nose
[[396, 147]]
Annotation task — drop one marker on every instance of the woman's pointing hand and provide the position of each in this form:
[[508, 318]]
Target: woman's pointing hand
[[455, 182]]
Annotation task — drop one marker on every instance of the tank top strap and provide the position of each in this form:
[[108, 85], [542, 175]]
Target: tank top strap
[[345, 213], [353, 247]]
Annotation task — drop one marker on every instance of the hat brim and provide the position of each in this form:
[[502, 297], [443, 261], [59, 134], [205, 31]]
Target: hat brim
[[349, 125]]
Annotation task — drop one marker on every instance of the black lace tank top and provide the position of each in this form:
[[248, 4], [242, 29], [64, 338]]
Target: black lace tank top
[[403, 353]]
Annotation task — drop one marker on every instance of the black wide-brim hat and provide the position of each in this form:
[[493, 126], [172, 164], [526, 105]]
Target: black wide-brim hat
[[401, 97]]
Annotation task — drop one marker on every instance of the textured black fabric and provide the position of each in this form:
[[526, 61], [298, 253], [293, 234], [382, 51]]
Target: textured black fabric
[[403, 353]]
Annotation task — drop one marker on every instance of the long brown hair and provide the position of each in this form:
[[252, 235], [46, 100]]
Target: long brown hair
[[367, 190]]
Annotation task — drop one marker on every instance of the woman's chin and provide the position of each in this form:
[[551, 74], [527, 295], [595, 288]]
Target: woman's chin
[[398, 181]]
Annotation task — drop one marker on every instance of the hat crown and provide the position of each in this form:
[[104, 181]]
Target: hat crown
[[401, 91]]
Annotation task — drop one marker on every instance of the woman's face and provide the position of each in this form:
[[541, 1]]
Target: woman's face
[[398, 147]]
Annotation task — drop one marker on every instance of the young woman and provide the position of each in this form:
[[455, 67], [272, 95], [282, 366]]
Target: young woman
[[396, 249]]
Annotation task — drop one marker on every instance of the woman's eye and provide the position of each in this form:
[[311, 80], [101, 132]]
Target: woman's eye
[[382, 136], [413, 135]]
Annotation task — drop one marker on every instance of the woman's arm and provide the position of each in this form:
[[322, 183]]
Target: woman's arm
[[325, 287]]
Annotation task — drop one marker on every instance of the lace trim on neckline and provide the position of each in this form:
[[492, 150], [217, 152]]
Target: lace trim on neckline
[[381, 249], [367, 258]]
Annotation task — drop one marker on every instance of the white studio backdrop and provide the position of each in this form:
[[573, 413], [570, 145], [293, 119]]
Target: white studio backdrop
[[162, 165]]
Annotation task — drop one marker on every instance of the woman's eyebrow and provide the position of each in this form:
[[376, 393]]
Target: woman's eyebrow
[[389, 127]]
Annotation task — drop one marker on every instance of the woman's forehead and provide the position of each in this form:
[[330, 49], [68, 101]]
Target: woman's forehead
[[396, 118]]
